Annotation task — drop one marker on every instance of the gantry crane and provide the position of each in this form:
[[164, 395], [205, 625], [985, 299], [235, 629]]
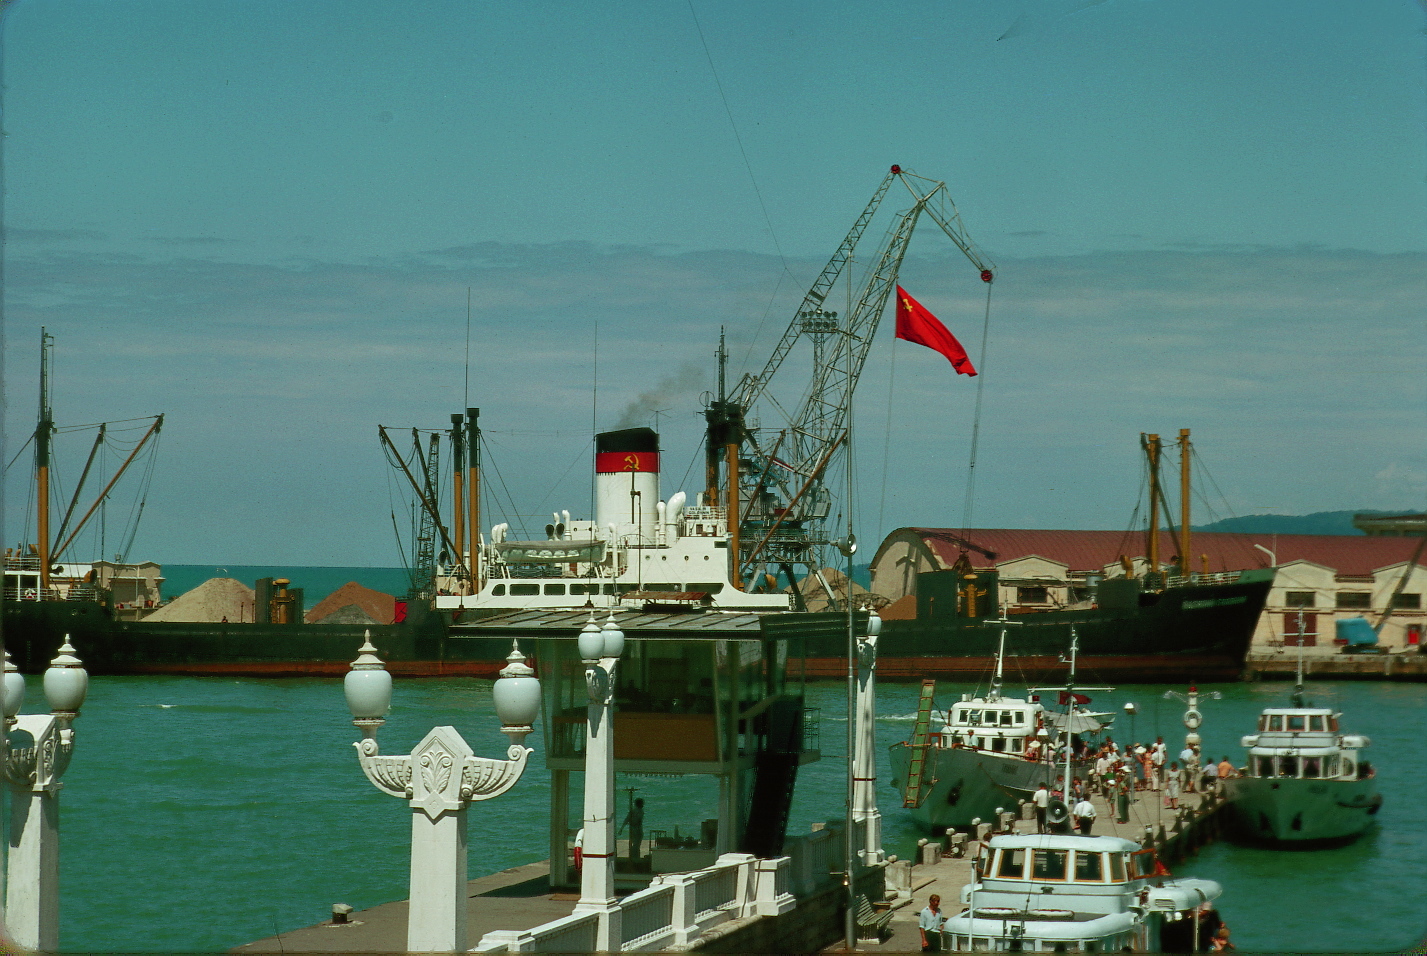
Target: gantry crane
[[774, 484]]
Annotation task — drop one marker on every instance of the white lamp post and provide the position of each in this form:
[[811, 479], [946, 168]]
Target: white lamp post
[[39, 750], [440, 778], [600, 649], [864, 802]]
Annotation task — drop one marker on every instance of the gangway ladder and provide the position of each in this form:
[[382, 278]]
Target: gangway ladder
[[921, 741]]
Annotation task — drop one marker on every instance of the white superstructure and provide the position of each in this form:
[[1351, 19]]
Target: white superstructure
[[639, 547]]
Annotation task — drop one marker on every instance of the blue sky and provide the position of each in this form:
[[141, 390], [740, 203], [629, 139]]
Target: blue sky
[[263, 219]]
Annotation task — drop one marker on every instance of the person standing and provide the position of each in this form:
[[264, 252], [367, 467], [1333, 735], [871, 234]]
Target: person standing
[[1157, 766], [1189, 760], [929, 924], [1084, 813], [1041, 800], [1171, 787], [635, 821]]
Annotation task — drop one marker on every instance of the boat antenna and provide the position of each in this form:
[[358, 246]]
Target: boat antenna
[[1004, 622], [1070, 710], [1298, 696]]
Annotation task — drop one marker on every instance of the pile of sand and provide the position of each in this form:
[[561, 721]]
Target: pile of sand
[[354, 604], [213, 601]]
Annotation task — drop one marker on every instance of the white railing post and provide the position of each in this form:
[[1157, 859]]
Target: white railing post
[[772, 896]]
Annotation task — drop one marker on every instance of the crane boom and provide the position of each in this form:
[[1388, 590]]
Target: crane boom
[[783, 500]]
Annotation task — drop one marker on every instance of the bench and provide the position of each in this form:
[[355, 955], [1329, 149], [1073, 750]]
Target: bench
[[871, 924]]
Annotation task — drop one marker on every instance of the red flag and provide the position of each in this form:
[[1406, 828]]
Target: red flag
[[1065, 698], [916, 324]]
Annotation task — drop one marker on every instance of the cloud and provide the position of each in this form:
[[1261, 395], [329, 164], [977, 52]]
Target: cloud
[[1299, 371]]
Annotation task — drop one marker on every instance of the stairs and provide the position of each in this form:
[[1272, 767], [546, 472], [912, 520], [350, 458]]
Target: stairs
[[912, 795], [775, 773]]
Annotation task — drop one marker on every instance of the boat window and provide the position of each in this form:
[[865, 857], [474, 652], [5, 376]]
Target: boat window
[[1142, 863], [1315, 722], [1265, 767], [584, 589], [973, 717], [1005, 718], [1348, 770], [1012, 865], [1263, 722], [1275, 722], [1333, 723], [1017, 745], [998, 744], [1020, 718], [554, 589], [1330, 766], [1117, 868], [1288, 766], [524, 589], [1310, 766], [498, 590], [1295, 721], [1049, 864], [1089, 867]]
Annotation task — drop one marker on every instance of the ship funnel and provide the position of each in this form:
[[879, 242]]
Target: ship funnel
[[627, 483]]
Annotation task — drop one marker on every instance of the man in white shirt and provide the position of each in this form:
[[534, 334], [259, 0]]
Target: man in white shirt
[[929, 924], [1041, 800], [1084, 813]]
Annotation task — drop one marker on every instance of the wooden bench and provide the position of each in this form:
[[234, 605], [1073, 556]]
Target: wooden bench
[[871, 924]]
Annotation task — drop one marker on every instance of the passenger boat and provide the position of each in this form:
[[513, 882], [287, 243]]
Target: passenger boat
[[991, 752], [1305, 783]]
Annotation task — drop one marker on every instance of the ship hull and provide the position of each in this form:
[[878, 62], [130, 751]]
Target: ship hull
[[1182, 634], [1299, 812], [962, 785]]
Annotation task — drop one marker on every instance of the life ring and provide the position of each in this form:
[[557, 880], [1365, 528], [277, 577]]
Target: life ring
[[998, 912], [30, 594], [1192, 719]]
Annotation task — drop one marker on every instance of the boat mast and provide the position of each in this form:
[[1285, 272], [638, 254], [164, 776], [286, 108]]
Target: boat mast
[[1070, 712], [1151, 445], [43, 430], [473, 461], [1185, 565], [458, 495], [1298, 698]]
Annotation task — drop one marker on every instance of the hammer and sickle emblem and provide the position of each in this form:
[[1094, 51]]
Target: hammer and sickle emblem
[[631, 462]]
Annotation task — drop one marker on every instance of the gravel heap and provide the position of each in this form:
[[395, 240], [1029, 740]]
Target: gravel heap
[[354, 604], [213, 601]]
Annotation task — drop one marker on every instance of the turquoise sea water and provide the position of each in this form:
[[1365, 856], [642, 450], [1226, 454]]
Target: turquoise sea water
[[200, 814]]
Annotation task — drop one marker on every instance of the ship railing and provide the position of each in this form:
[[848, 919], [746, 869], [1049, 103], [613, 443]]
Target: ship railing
[[1218, 577]]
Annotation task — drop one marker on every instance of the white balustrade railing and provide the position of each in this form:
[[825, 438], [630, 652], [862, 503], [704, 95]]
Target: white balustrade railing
[[647, 919]]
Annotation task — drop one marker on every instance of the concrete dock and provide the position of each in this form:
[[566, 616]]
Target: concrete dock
[[521, 898]]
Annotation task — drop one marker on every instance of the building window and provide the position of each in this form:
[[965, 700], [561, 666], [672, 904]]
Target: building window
[[1354, 600], [1032, 595], [1408, 602], [1299, 599]]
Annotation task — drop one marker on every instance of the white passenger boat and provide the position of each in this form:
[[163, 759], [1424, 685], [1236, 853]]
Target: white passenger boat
[[1058, 892], [1305, 783]]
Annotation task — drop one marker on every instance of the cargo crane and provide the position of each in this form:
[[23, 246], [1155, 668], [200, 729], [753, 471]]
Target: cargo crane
[[774, 485]]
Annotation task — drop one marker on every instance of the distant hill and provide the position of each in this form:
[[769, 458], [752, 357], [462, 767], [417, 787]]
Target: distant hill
[[1321, 522]]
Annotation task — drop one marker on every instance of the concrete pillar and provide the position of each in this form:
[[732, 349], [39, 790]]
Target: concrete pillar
[[559, 823], [864, 774], [436, 920], [32, 900], [597, 876]]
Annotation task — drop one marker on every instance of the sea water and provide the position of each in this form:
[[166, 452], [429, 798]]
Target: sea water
[[202, 813]]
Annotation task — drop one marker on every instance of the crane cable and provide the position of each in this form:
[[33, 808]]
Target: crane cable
[[976, 418]]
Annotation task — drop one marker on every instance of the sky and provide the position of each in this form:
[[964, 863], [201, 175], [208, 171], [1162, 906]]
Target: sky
[[266, 220]]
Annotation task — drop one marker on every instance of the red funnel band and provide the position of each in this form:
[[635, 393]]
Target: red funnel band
[[613, 462]]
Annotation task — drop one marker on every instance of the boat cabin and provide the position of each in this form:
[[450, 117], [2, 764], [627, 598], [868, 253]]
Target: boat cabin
[[995, 724], [1304, 743], [1071, 893]]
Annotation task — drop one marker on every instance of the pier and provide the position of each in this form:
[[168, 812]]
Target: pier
[[1281, 665], [518, 910]]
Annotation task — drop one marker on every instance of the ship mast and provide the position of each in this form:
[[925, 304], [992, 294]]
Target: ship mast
[[43, 430], [1185, 564], [1151, 445]]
